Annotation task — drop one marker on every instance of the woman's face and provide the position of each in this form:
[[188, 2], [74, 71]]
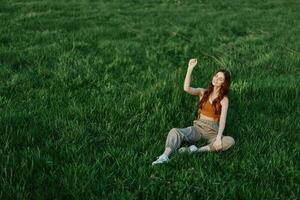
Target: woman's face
[[218, 79]]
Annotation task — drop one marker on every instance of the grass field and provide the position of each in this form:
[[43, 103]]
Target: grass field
[[90, 89]]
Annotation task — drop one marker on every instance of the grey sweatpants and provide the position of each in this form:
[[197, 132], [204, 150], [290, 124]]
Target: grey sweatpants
[[201, 129]]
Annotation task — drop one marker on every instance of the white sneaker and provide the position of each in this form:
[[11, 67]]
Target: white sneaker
[[190, 149], [161, 159]]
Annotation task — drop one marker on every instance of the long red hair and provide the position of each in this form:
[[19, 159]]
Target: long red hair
[[224, 90]]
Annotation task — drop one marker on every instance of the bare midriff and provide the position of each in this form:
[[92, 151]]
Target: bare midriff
[[208, 118]]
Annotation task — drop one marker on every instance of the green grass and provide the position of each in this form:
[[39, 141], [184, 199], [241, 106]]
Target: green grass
[[90, 89]]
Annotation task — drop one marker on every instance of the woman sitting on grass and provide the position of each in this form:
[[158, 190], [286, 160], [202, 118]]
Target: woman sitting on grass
[[210, 123]]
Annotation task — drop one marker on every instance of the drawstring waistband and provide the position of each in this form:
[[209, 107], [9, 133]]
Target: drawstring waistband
[[208, 122]]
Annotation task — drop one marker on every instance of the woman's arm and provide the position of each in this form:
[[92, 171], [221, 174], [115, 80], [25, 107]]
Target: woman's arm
[[224, 103], [188, 78], [218, 143]]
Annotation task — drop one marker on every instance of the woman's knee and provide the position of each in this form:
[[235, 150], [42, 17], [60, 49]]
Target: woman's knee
[[227, 142], [173, 131], [174, 139], [230, 140]]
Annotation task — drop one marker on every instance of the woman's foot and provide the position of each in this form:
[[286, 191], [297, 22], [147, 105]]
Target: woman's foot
[[161, 159], [204, 148], [190, 149]]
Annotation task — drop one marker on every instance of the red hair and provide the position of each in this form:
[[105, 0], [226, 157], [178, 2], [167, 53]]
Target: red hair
[[224, 90]]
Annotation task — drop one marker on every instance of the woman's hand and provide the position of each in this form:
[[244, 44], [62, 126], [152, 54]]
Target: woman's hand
[[217, 144], [192, 63]]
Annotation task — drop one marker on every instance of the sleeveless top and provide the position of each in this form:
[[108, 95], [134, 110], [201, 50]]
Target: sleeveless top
[[208, 110]]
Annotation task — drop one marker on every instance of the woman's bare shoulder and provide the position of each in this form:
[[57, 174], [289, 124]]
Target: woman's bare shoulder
[[224, 101]]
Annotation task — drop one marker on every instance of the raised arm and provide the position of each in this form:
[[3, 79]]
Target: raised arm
[[188, 78]]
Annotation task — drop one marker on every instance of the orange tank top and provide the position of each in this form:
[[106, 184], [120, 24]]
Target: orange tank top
[[208, 110]]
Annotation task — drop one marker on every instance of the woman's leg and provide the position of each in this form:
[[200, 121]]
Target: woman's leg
[[167, 151], [174, 139], [177, 135], [204, 148], [227, 142]]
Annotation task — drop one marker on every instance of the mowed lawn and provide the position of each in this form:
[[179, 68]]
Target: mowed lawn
[[90, 89]]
